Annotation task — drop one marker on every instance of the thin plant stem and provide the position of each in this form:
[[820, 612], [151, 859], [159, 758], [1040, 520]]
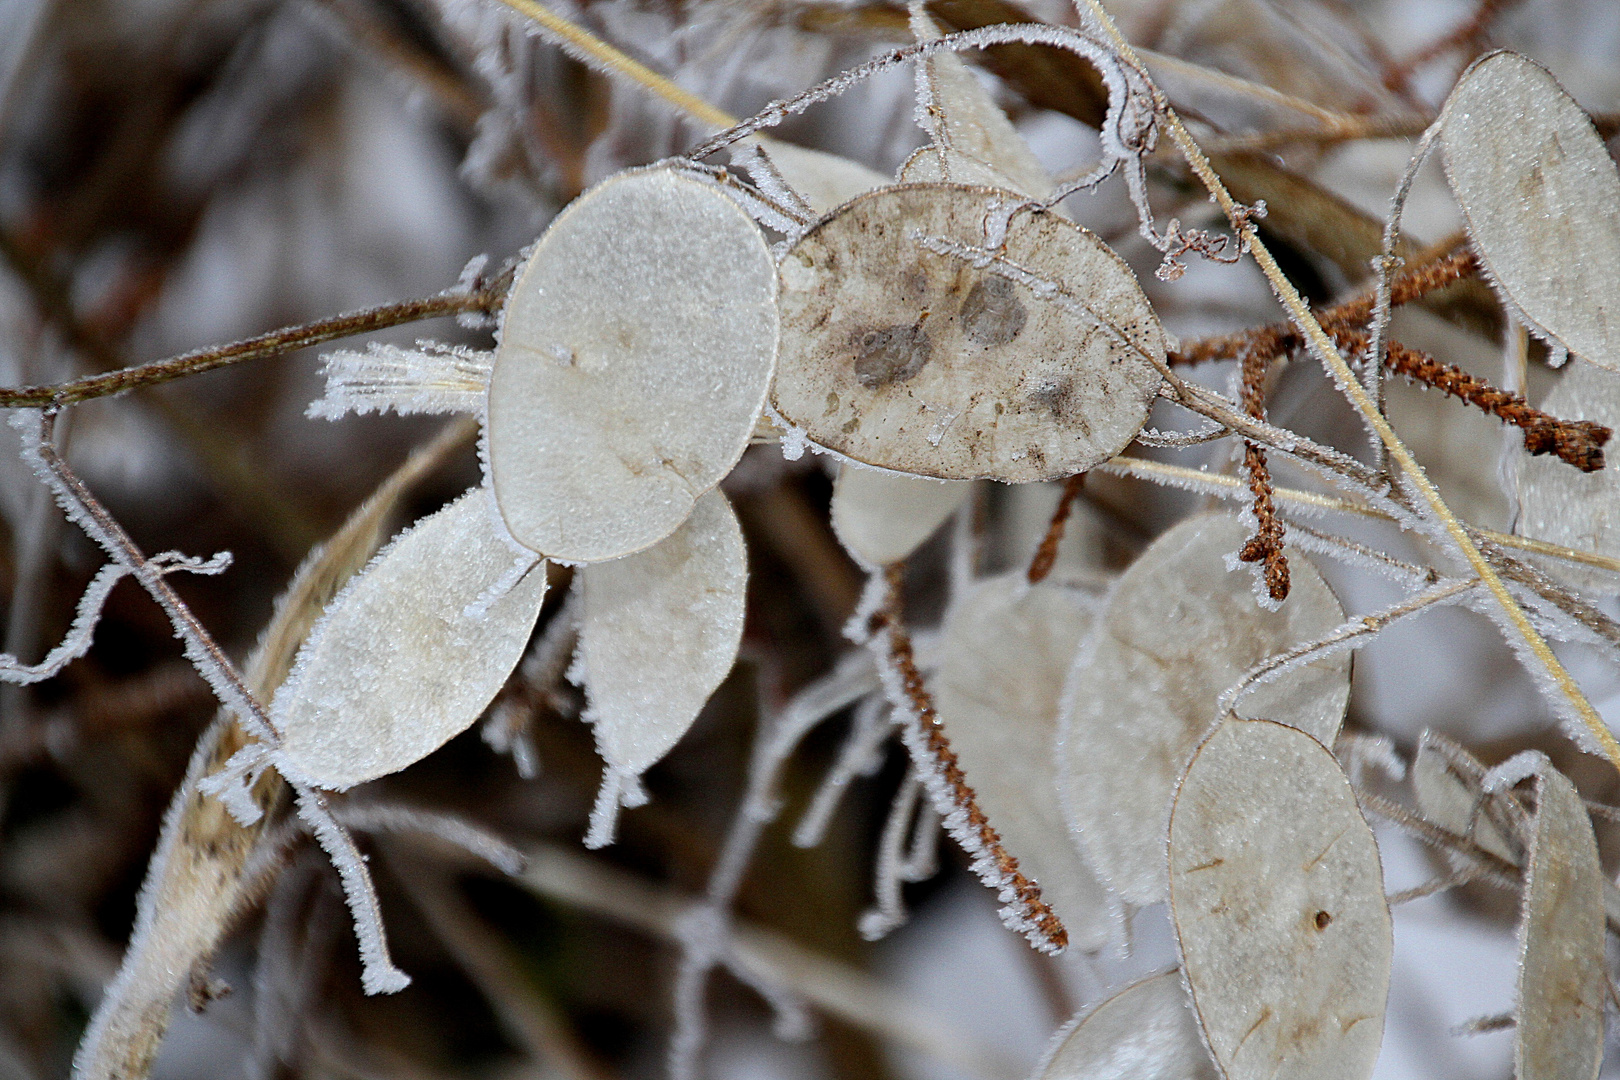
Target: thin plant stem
[[274, 343]]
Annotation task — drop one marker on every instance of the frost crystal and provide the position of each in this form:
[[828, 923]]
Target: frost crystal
[[431, 378], [635, 354], [396, 667]]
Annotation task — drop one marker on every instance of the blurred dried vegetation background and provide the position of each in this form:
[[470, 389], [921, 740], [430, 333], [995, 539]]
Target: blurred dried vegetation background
[[180, 173]]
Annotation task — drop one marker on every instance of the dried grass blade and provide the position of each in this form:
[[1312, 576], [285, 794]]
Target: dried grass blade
[[194, 882]]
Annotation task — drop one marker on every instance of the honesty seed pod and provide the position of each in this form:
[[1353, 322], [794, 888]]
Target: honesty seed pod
[[634, 357], [909, 344]]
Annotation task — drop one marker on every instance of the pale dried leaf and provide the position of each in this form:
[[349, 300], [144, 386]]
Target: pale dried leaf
[[1277, 895], [824, 180], [1564, 505], [1147, 1031], [900, 356], [1562, 983], [1178, 630], [1006, 648], [1538, 191], [659, 631], [883, 517], [635, 354], [1456, 802], [398, 665]]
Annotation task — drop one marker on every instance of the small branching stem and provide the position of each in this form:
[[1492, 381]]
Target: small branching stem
[[1266, 545]]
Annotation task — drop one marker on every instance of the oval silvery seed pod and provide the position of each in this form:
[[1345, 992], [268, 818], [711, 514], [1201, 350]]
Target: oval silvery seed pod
[[1147, 1031], [908, 345], [397, 665], [1178, 629], [635, 353], [1562, 981], [658, 632], [1538, 193], [1277, 895], [1004, 652]]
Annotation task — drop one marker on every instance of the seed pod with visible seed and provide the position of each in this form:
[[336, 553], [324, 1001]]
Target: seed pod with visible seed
[[907, 345]]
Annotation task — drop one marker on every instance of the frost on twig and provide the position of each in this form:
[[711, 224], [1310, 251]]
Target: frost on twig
[[1006, 648], [203, 868], [431, 378], [879, 625]]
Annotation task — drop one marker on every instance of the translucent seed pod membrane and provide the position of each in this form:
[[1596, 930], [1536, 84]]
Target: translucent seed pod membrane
[[953, 332], [634, 357]]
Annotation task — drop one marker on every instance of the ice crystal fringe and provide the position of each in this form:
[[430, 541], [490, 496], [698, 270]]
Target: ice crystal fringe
[[77, 640], [431, 378], [619, 788], [378, 974]]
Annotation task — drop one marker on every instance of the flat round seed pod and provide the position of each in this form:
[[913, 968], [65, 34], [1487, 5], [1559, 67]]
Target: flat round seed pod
[[1178, 630], [658, 632], [1538, 192], [1561, 961], [396, 666], [1006, 648], [882, 517], [1563, 505], [635, 353], [899, 356], [1278, 900], [1147, 1031]]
